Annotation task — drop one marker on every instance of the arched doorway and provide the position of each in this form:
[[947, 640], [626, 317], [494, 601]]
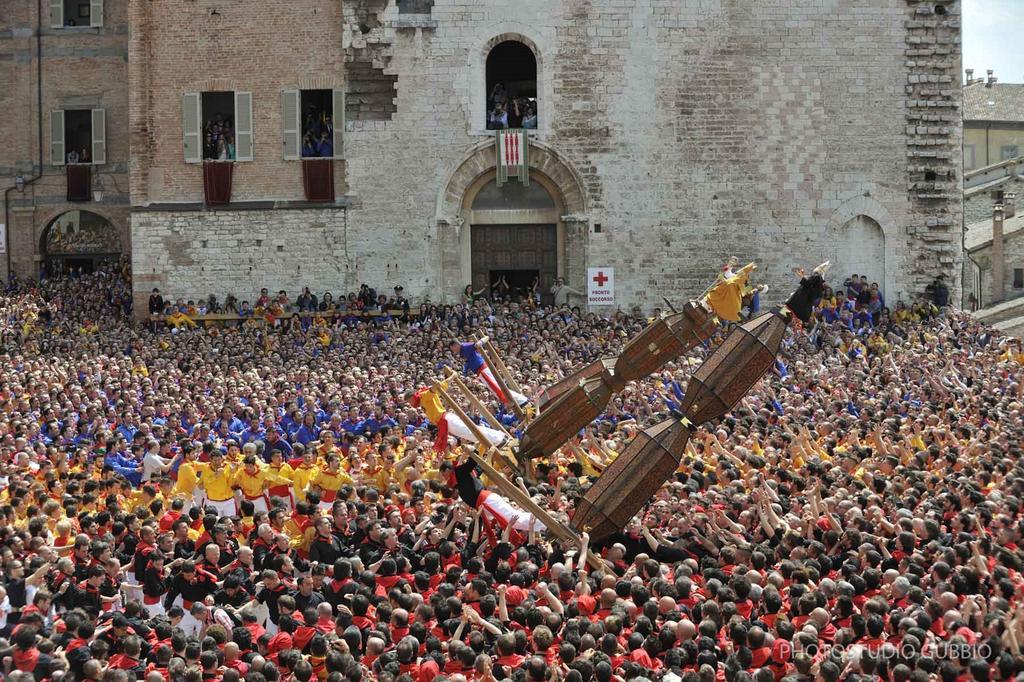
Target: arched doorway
[[860, 249], [79, 241], [456, 217], [511, 86], [515, 235]]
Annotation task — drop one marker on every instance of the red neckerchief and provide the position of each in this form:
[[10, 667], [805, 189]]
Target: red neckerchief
[[76, 643], [122, 662], [362, 622], [303, 634], [301, 520], [26, 661]]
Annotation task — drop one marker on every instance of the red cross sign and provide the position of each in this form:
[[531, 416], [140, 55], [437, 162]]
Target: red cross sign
[[601, 286]]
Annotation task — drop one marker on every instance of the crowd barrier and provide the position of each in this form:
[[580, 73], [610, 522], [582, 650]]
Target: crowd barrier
[[223, 318]]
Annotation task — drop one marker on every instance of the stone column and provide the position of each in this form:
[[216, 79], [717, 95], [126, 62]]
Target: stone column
[[998, 256]]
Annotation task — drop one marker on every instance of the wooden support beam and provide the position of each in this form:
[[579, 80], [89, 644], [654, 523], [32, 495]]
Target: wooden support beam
[[475, 402], [496, 365], [499, 363], [516, 494]]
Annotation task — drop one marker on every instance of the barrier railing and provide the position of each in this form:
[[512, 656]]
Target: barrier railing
[[265, 318]]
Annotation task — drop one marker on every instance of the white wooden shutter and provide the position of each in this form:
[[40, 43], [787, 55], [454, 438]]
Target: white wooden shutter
[[99, 136], [95, 12], [290, 124], [57, 137], [243, 126], [56, 13], [338, 119], [190, 107]]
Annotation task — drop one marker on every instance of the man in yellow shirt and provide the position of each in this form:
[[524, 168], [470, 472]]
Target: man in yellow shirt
[[216, 480], [726, 296], [188, 478], [252, 481], [284, 473], [329, 481], [303, 474]]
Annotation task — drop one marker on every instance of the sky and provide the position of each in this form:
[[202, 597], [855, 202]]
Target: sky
[[990, 42]]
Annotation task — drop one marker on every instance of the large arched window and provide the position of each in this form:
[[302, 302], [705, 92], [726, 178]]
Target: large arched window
[[511, 86]]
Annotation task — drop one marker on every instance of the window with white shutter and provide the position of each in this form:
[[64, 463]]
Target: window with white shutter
[[73, 136], [57, 137], [95, 13], [191, 129], [243, 126], [290, 124], [99, 137], [56, 13]]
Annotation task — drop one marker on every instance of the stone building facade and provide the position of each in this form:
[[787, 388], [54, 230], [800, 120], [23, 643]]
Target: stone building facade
[[670, 135]]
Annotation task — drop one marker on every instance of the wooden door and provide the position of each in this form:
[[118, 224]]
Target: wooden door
[[514, 247]]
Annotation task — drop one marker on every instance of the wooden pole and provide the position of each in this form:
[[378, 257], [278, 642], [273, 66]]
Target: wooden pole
[[495, 357], [516, 494], [496, 365], [669, 304], [475, 402]]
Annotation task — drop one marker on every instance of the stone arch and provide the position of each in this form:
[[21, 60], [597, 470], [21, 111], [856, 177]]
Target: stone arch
[[79, 238], [860, 249], [863, 231], [477, 168], [477, 68]]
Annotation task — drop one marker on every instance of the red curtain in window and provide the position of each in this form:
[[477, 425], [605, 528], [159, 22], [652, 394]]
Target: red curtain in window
[[318, 179], [79, 182], [217, 177]]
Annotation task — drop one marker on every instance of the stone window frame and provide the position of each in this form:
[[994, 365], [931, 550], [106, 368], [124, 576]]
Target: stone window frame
[[1009, 151], [478, 98]]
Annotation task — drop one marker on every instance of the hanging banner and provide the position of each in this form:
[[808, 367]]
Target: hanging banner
[[601, 286], [511, 149], [3, 238]]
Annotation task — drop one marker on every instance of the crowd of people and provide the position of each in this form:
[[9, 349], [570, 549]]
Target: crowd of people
[[253, 503], [508, 111], [219, 139], [279, 307], [317, 134]]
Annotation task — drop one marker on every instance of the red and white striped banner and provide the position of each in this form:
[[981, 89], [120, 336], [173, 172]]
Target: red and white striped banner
[[512, 155]]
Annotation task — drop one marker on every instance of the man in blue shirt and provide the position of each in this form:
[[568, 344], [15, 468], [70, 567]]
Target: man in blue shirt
[[234, 424], [353, 424], [475, 365], [308, 432], [129, 468], [326, 146], [274, 441]]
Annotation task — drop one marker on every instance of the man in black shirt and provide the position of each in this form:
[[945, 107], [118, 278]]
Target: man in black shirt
[[273, 589], [231, 594], [193, 584], [306, 596]]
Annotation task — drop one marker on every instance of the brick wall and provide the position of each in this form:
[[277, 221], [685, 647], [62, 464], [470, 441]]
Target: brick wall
[[262, 47], [81, 68]]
